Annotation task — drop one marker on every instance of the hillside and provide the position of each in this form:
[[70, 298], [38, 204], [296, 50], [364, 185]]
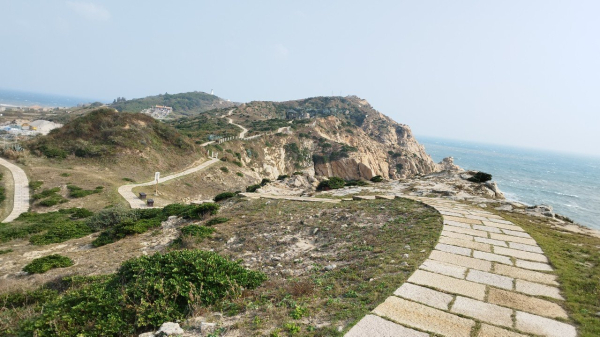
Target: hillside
[[183, 104], [328, 136], [105, 132]]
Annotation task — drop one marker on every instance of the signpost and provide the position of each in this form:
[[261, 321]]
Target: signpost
[[156, 178]]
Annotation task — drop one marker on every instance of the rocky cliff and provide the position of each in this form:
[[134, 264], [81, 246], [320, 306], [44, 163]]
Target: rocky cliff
[[332, 136]]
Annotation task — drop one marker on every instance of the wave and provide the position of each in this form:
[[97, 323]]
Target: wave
[[564, 194]]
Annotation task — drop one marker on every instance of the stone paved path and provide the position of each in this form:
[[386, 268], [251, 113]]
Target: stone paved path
[[21, 197], [126, 190], [486, 278]]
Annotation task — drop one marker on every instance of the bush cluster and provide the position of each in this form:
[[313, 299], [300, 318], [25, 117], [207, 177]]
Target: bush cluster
[[480, 177], [253, 188], [144, 293], [45, 228], [78, 192], [331, 184], [224, 196], [377, 179], [43, 264], [118, 223], [199, 232]]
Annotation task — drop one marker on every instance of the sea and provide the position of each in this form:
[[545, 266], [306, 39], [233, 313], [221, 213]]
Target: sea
[[22, 98], [569, 183]]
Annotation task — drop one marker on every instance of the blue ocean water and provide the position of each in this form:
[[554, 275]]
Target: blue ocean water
[[22, 98], [569, 183]]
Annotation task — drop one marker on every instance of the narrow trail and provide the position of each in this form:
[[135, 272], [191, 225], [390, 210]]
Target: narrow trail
[[21, 190], [126, 191]]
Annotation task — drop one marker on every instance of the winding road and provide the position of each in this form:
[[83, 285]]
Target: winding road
[[21, 196], [126, 191]]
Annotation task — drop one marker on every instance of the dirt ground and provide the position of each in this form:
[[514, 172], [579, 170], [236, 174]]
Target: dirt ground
[[327, 264]]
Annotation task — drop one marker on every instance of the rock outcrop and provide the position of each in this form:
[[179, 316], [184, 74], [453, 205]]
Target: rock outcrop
[[447, 164], [334, 136]]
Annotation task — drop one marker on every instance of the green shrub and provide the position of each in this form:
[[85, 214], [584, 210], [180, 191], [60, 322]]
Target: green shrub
[[239, 174], [52, 152], [5, 251], [46, 193], [81, 213], [265, 181], [480, 177], [358, 182], [298, 173], [145, 292], [61, 232], [20, 298], [282, 177], [216, 221], [110, 217], [43, 264], [29, 223], [65, 174], [128, 179], [331, 184], [224, 196], [237, 163], [399, 167], [34, 185], [191, 211], [253, 188], [377, 179], [126, 228], [200, 232], [53, 200], [78, 192], [225, 169]]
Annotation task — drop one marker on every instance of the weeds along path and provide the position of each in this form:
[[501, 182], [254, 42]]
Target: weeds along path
[[21, 189], [486, 277], [126, 191]]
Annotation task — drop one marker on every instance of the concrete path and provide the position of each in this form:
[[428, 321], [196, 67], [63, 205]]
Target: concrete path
[[21, 197], [485, 278], [126, 190]]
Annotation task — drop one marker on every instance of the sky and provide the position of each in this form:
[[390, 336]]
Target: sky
[[520, 73]]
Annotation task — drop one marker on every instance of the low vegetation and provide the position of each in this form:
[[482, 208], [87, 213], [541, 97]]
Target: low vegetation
[[331, 184], [157, 288], [46, 228], [78, 192], [224, 196], [43, 264], [119, 223]]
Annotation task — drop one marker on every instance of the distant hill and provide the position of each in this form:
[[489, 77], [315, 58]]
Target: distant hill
[[184, 104], [105, 132]]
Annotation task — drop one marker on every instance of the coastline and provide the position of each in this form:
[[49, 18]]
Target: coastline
[[568, 183]]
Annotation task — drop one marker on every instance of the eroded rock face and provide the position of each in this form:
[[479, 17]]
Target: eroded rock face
[[384, 148], [379, 145]]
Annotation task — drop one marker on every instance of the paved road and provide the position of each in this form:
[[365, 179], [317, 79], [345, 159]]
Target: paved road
[[21, 197], [484, 271], [126, 190]]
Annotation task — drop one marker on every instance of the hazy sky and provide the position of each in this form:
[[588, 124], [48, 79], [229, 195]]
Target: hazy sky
[[523, 73]]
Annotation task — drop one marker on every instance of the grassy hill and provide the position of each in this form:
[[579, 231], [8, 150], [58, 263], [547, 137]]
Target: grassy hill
[[188, 103], [105, 132]]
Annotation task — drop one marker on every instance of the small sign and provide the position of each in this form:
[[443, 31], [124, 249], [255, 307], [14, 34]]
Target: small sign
[[156, 177]]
